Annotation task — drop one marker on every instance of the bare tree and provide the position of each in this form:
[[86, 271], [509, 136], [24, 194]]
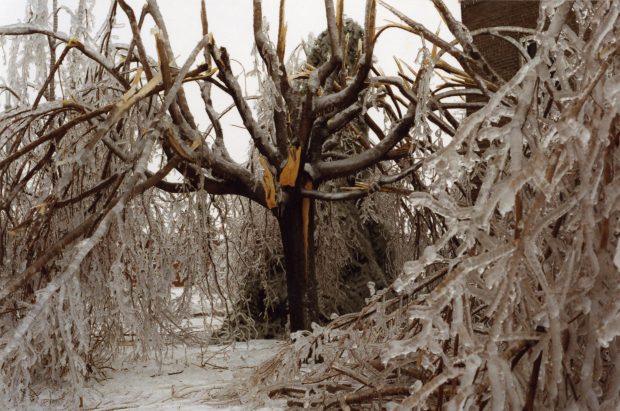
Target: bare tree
[[507, 290], [146, 118], [86, 231], [88, 235]]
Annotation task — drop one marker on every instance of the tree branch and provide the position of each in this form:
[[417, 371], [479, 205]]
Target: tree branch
[[349, 94], [25, 29], [324, 170], [259, 136]]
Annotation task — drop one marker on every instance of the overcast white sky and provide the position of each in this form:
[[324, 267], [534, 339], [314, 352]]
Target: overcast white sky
[[231, 23]]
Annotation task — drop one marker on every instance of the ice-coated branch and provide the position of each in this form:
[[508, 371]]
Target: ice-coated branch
[[82, 250], [462, 35], [344, 117], [259, 135], [318, 76], [155, 12], [57, 133], [275, 67], [324, 170], [49, 81], [414, 99], [216, 125], [360, 192], [26, 29], [349, 94], [277, 71], [137, 38], [467, 62]]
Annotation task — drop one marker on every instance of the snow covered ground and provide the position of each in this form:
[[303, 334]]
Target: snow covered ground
[[189, 379], [184, 378]]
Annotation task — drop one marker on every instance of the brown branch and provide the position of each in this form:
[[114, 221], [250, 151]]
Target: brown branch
[[413, 98], [462, 35], [154, 11], [323, 170], [318, 77], [467, 62], [87, 193], [259, 137], [282, 29], [204, 23], [57, 133], [370, 394], [277, 72], [25, 29], [349, 94], [49, 81], [377, 185], [13, 285], [137, 39]]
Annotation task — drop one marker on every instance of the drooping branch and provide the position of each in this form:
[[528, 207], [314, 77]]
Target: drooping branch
[[15, 283], [26, 29], [56, 133]]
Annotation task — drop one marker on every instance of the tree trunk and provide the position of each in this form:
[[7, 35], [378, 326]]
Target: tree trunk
[[296, 222]]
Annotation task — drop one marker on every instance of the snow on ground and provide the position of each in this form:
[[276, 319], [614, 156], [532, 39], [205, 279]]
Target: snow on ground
[[207, 314], [189, 379], [186, 378]]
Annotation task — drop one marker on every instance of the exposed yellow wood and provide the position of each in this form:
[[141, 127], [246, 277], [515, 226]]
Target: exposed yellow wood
[[305, 218], [164, 62], [209, 73], [204, 22], [358, 133], [435, 48], [74, 42], [176, 146], [406, 84], [137, 77], [131, 97], [371, 19], [268, 184], [288, 177], [282, 32], [196, 143], [302, 74]]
